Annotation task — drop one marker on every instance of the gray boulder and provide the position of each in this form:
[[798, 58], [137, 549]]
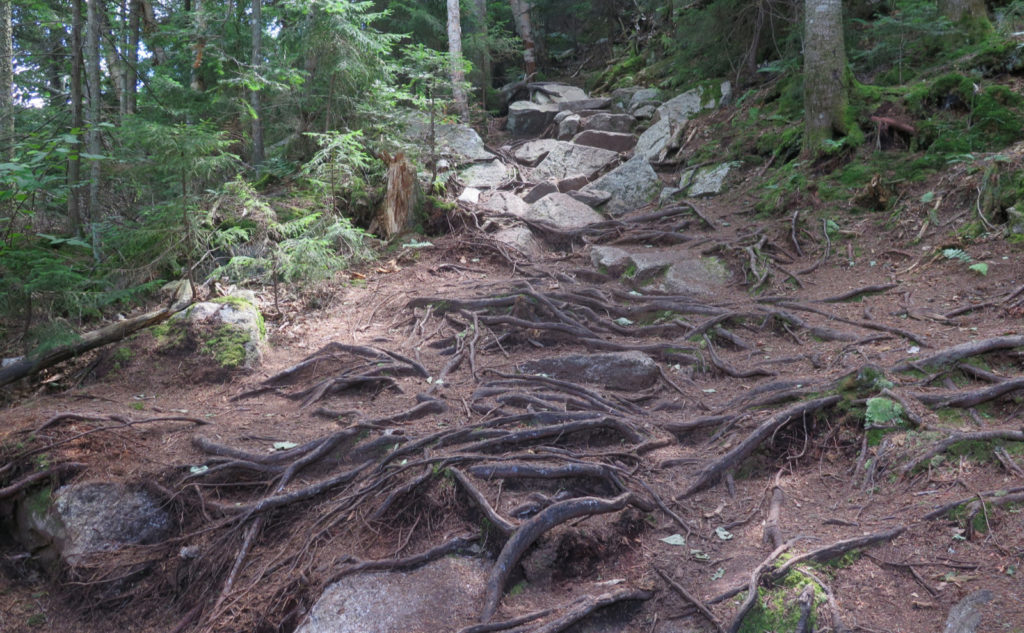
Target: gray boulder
[[608, 122], [628, 371], [706, 181], [442, 596], [504, 202], [488, 175], [539, 191], [569, 126], [662, 270], [642, 97], [570, 159], [532, 152], [230, 329], [92, 517], [621, 97], [520, 238], [645, 112], [558, 93], [562, 211], [590, 197], [611, 141], [674, 113], [631, 185], [456, 142], [526, 118]]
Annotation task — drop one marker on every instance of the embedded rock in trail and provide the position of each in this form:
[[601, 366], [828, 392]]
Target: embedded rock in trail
[[526, 118], [442, 596], [662, 270], [489, 175], [674, 113], [965, 617], [568, 159], [705, 181], [562, 211], [92, 517], [557, 93], [644, 97], [532, 152], [568, 126], [520, 238], [612, 141], [504, 202], [608, 122], [631, 185], [458, 143], [230, 329], [645, 112], [539, 191], [628, 371]]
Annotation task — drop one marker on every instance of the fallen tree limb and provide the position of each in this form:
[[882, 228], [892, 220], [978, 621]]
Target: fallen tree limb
[[23, 483], [970, 397], [531, 530], [751, 586], [31, 365], [837, 549], [989, 496]]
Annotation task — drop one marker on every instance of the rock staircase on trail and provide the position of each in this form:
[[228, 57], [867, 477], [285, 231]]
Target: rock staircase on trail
[[536, 427]]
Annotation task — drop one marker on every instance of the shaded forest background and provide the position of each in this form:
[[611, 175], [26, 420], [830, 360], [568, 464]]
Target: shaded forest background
[[248, 142]]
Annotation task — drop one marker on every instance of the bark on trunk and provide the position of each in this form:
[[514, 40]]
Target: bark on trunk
[[92, 62], [455, 55], [483, 56], [131, 87], [825, 77], [400, 200], [957, 10], [254, 95], [6, 79], [75, 162], [521, 15]]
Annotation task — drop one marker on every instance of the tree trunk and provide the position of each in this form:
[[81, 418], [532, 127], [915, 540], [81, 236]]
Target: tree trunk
[[198, 45], [455, 53], [114, 61], [483, 54], [131, 87], [93, 145], [825, 77], [6, 80], [397, 212], [75, 162], [521, 17], [254, 95], [957, 10]]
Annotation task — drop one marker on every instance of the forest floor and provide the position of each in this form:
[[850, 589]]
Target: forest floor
[[747, 451]]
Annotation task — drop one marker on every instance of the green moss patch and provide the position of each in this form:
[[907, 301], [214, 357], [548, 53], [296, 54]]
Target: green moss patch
[[227, 346]]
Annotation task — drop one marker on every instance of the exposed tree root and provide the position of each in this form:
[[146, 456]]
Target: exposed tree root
[[686, 595], [976, 436], [532, 529]]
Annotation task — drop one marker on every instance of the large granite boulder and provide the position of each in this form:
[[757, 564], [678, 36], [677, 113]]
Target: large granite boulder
[[504, 202], [562, 211], [611, 141], [532, 152], [487, 175], [526, 118], [570, 159], [706, 181], [459, 144], [677, 111], [628, 371], [442, 596], [664, 270], [229, 329], [608, 122], [631, 185], [85, 518]]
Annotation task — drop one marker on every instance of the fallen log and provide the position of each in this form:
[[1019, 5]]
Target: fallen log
[[31, 365]]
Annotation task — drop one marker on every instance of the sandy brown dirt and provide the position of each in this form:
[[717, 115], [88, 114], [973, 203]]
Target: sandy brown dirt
[[833, 491]]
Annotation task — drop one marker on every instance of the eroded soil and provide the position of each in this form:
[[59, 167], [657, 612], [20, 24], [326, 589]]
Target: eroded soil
[[422, 436]]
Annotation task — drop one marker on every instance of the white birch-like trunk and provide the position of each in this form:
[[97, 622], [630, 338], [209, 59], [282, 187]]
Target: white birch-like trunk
[[455, 53]]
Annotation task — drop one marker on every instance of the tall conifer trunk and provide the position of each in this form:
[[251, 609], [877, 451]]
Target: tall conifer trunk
[[92, 73], [6, 79], [254, 94], [455, 53], [826, 90], [77, 122]]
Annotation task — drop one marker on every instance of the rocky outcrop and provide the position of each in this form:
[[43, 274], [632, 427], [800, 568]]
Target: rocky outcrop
[[664, 270], [570, 159], [488, 175], [91, 517], [443, 596], [631, 185], [706, 181], [562, 211], [674, 113], [627, 371]]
